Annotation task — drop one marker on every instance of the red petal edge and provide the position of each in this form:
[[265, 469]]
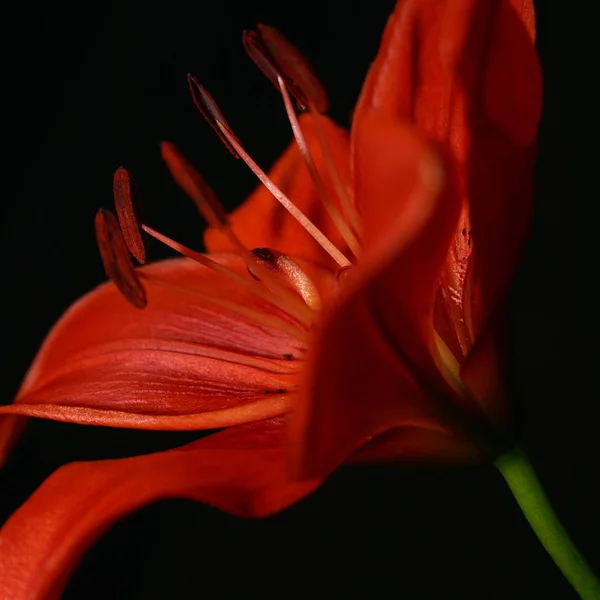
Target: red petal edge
[[241, 471]]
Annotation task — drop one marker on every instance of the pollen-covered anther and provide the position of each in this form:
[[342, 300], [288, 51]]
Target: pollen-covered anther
[[128, 207], [288, 271], [116, 259]]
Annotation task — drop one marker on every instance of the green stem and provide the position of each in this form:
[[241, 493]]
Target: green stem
[[527, 490]]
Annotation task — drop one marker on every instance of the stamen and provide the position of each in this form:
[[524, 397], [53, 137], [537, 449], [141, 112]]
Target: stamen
[[335, 215], [277, 57], [345, 200], [294, 67], [115, 257], [192, 183], [314, 231], [258, 52], [127, 203], [302, 316], [210, 111], [291, 273]]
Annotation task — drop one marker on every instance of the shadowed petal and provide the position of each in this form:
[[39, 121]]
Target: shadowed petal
[[241, 471], [484, 372], [359, 384], [262, 222], [410, 208], [417, 445], [506, 97]]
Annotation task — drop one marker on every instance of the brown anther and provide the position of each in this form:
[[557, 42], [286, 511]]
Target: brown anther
[[116, 259], [294, 66], [127, 204], [192, 183], [210, 111], [266, 256], [259, 53], [289, 272]]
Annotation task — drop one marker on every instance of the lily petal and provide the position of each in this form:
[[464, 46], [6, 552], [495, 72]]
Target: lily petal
[[262, 222], [504, 113], [358, 384], [241, 471], [410, 208], [466, 73], [416, 445], [186, 361]]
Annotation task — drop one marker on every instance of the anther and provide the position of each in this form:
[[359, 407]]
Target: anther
[[210, 111], [259, 53], [265, 256], [290, 273], [127, 204], [293, 66], [281, 62], [115, 257], [192, 183]]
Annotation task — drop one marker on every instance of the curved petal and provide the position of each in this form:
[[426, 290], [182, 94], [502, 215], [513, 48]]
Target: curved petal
[[361, 382], [204, 353], [409, 216], [262, 222], [241, 471], [505, 93], [466, 73]]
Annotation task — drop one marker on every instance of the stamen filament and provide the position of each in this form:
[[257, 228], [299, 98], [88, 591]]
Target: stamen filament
[[192, 183], [303, 316], [335, 215], [316, 233], [347, 204]]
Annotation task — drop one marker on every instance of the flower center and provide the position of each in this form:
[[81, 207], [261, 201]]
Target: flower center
[[276, 277]]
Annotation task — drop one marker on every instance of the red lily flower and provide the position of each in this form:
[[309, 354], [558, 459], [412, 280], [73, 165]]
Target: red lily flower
[[391, 354]]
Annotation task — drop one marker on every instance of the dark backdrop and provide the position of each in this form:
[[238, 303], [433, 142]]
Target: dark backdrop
[[87, 89]]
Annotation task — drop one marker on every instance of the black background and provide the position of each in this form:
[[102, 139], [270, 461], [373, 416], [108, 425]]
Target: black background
[[86, 89]]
